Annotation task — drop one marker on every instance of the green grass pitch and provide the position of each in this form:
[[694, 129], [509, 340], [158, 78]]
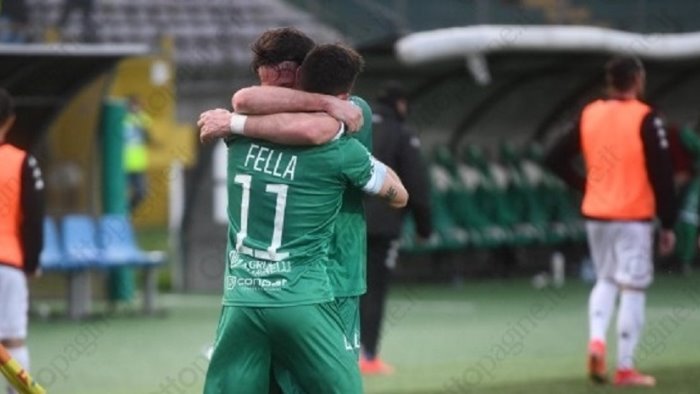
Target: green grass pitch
[[492, 337]]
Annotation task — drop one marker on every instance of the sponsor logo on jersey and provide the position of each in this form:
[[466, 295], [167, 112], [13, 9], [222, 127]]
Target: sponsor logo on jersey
[[233, 282], [258, 267], [234, 260]]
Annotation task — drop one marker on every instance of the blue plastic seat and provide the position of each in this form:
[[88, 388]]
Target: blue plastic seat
[[79, 241], [51, 257], [118, 244]]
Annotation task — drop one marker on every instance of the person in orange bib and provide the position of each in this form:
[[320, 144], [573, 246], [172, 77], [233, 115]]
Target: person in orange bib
[[21, 234], [628, 183]]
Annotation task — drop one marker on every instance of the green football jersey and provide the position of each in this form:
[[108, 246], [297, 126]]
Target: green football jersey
[[282, 205], [348, 254]]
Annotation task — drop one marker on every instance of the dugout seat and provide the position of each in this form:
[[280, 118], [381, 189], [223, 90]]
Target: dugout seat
[[51, 257], [563, 216], [478, 209], [450, 235], [467, 207], [82, 246], [80, 241], [80, 251], [530, 223], [118, 244], [483, 204]]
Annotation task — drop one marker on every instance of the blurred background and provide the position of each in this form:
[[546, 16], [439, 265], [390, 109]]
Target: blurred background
[[508, 234]]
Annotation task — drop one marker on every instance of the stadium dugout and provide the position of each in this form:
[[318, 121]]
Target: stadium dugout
[[44, 78], [487, 85], [45, 81], [524, 82]]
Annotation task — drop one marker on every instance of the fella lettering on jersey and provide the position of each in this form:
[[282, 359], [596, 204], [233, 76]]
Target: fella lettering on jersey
[[271, 162]]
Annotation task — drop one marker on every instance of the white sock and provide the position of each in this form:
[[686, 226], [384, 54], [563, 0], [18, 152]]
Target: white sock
[[630, 321], [21, 354], [600, 308]]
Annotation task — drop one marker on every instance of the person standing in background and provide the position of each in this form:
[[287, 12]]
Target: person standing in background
[[21, 235], [687, 166], [137, 137], [628, 182], [397, 146]]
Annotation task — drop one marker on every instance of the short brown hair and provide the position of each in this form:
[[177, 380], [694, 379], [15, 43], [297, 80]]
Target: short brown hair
[[621, 72], [7, 106], [275, 46], [330, 69]]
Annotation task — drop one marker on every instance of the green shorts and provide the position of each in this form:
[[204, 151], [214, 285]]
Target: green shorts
[[306, 340], [349, 311]]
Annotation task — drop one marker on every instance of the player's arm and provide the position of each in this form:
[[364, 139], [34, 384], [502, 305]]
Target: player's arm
[[659, 168], [392, 190], [265, 100], [560, 159], [32, 222], [364, 171], [289, 128], [301, 128], [660, 172], [384, 182], [298, 128]]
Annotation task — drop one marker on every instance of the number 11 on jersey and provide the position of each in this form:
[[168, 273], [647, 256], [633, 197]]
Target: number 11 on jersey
[[278, 225]]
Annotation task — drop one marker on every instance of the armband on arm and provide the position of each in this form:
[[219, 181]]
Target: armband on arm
[[379, 173]]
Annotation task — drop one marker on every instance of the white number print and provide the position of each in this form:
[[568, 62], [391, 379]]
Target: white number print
[[278, 226], [280, 205], [244, 181]]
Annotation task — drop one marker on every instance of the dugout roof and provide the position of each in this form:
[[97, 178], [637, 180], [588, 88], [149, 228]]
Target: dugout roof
[[519, 94], [43, 79]]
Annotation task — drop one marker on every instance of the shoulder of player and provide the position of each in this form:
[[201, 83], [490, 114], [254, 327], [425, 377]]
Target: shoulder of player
[[347, 140], [649, 112], [13, 150], [17, 155], [360, 102], [346, 146]]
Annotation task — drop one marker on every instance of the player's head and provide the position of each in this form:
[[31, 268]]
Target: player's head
[[330, 69], [395, 97], [625, 76], [7, 113], [278, 53]]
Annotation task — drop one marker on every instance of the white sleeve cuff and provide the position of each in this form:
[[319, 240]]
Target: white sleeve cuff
[[340, 132], [379, 173]]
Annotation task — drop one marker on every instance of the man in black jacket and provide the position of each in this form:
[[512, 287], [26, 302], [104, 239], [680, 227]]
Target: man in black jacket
[[395, 145]]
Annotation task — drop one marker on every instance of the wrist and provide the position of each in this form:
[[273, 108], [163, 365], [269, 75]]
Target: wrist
[[327, 103], [237, 123]]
